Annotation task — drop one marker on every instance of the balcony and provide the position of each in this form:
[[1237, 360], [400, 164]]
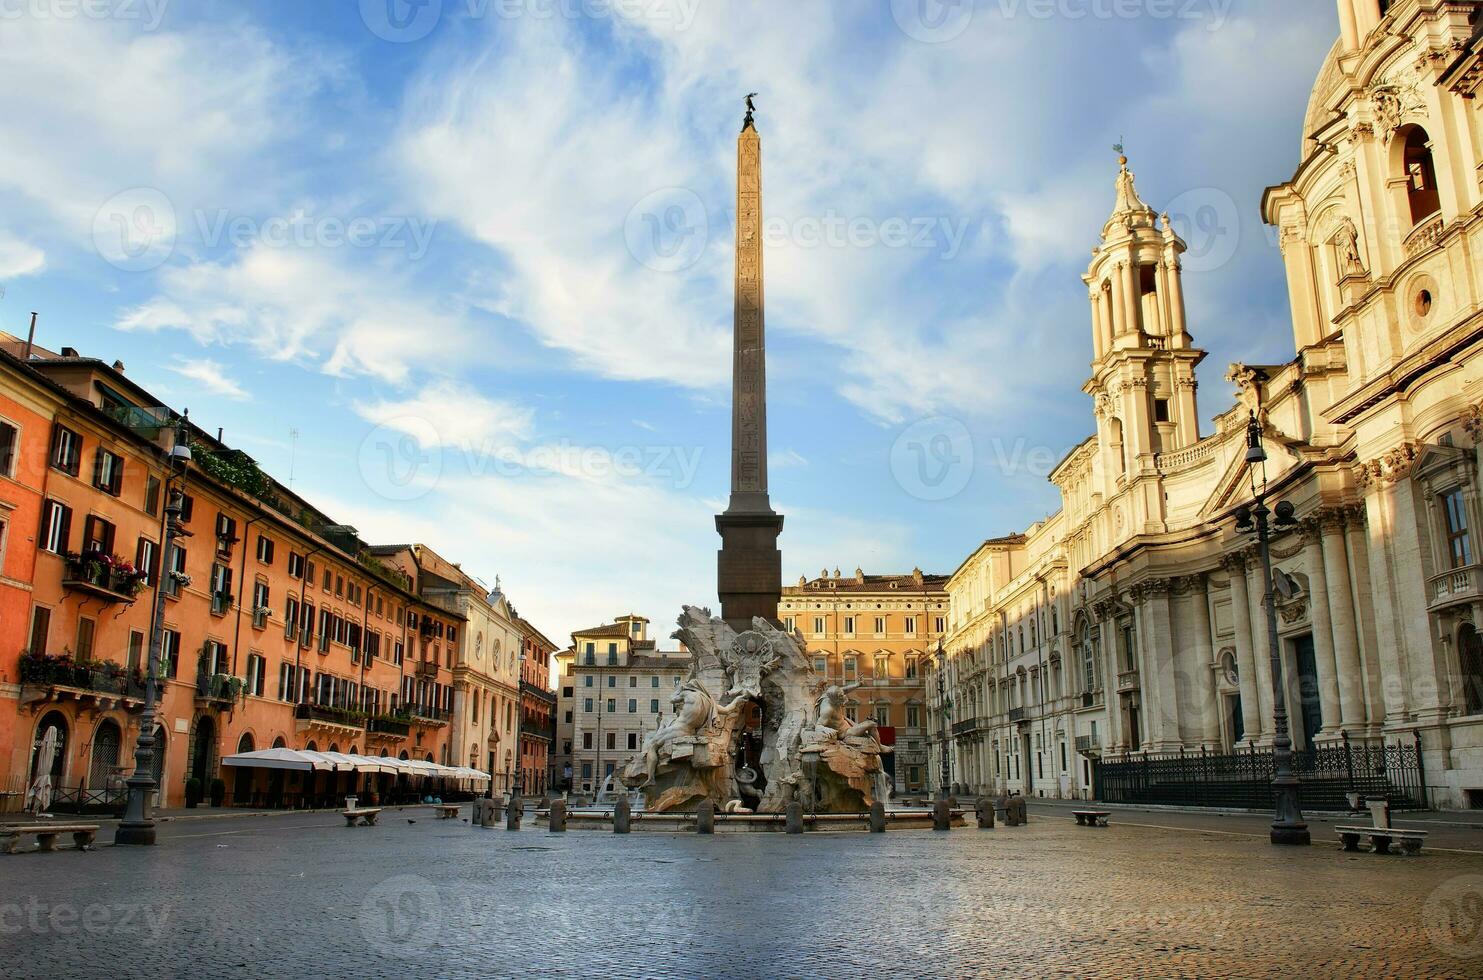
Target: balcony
[[1088, 744], [1091, 699], [1018, 715], [220, 690], [99, 684], [427, 715], [1424, 235], [1454, 587], [965, 727], [394, 726], [318, 717], [102, 576], [1127, 680], [220, 603], [427, 668]]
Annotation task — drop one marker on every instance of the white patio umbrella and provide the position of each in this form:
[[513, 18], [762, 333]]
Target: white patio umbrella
[[38, 795]]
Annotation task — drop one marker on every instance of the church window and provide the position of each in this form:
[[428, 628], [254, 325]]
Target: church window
[[1459, 543], [1161, 409], [1420, 174]]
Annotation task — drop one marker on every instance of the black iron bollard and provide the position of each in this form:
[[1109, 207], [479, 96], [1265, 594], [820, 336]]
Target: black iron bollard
[[556, 817], [985, 814], [942, 815], [877, 817], [622, 811], [793, 818], [513, 815], [705, 817]]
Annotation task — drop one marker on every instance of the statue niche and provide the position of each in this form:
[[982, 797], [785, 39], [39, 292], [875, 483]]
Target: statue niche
[[776, 732]]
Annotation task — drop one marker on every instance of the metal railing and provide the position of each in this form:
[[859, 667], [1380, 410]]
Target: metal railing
[[103, 676], [1329, 775]]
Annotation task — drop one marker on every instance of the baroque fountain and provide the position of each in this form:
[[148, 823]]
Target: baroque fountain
[[754, 728]]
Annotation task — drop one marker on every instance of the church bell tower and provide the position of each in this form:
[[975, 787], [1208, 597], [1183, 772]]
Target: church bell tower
[[1143, 365]]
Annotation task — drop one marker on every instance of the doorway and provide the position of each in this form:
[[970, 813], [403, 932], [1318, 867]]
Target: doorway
[[1309, 708]]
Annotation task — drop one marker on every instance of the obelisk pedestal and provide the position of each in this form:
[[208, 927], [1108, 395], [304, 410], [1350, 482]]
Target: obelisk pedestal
[[749, 565]]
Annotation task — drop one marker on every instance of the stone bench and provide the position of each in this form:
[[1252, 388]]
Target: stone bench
[[46, 835], [1409, 841], [446, 811], [1091, 818], [366, 816]]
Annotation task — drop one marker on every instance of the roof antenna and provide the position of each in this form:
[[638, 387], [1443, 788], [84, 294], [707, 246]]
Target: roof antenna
[[30, 338], [293, 453]]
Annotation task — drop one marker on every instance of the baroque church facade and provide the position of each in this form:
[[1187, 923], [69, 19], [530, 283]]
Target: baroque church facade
[[1132, 622]]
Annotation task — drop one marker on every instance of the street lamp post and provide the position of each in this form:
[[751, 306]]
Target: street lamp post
[[1288, 826], [519, 786], [942, 710], [137, 826]]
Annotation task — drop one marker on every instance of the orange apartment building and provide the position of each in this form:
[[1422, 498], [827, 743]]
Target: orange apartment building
[[876, 631], [280, 628], [537, 710]]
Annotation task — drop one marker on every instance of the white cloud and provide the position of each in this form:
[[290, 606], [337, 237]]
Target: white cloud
[[290, 304], [785, 458], [210, 375], [17, 258], [454, 414]]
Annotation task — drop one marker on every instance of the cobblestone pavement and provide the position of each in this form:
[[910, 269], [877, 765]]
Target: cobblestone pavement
[[305, 896]]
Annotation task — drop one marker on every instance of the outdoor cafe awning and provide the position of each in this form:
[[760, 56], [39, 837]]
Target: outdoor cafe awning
[[308, 761]]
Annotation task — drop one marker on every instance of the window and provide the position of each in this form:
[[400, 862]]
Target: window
[[1420, 175], [1459, 544], [911, 625], [882, 668], [913, 716], [56, 526], [147, 560], [633, 680], [176, 564], [221, 586], [152, 495], [818, 625], [97, 535], [788, 624], [849, 625], [880, 626], [170, 653], [1161, 409], [612, 740], [86, 630], [821, 665], [1470, 652], [653, 706], [10, 438], [612, 680], [586, 680], [226, 533], [260, 599], [911, 668], [633, 740], [187, 507], [214, 658], [612, 705], [939, 624], [882, 714], [654, 681], [849, 668], [40, 626], [633, 706], [66, 450], [265, 549], [108, 472], [587, 704], [586, 740]]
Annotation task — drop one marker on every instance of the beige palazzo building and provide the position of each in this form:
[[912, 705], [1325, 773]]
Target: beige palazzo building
[[1131, 623]]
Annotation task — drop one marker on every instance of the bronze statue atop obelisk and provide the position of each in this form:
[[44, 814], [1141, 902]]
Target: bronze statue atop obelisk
[[749, 565]]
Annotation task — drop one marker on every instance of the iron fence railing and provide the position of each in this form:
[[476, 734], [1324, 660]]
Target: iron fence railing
[[1330, 774]]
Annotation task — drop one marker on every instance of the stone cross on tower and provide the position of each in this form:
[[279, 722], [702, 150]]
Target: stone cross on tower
[[749, 566]]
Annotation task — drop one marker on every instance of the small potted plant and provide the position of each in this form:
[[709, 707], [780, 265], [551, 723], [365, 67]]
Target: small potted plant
[[192, 793], [218, 792]]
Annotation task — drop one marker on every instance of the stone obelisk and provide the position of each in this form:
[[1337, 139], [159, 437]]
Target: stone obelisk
[[749, 565]]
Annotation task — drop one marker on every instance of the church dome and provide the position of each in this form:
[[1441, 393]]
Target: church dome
[[1320, 103]]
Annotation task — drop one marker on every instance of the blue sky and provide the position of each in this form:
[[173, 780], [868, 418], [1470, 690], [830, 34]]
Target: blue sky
[[477, 255]]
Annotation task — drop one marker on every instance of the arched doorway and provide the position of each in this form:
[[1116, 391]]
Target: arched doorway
[[157, 764], [53, 721], [203, 753], [243, 777], [275, 777], [103, 770]]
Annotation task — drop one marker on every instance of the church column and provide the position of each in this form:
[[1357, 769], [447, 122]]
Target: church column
[[1203, 654], [1357, 545], [1256, 594], [1251, 704], [1395, 683], [1100, 329], [1131, 297], [1323, 634], [1347, 667], [1166, 318], [1178, 324], [1159, 666], [1117, 303]]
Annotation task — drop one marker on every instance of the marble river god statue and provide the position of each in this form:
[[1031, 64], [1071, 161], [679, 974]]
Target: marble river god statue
[[753, 728]]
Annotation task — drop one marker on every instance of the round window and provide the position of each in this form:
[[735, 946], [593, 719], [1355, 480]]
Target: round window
[[1423, 303]]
